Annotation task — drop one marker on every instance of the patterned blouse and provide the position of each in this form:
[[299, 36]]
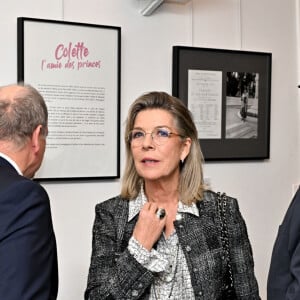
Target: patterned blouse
[[167, 261]]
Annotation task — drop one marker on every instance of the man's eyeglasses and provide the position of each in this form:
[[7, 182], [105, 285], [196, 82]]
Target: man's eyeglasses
[[159, 136]]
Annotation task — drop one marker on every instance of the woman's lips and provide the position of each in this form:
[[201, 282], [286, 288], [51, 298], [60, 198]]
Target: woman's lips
[[149, 160]]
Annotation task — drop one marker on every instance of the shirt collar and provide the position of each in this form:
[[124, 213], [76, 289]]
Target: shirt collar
[[136, 205], [11, 162]]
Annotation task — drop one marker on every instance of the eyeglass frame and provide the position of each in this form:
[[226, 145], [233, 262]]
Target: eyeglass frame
[[142, 138]]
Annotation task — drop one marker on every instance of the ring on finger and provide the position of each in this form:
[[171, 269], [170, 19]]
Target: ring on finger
[[160, 213]]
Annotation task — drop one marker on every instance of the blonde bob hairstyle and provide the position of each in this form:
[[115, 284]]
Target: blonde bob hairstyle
[[191, 184]]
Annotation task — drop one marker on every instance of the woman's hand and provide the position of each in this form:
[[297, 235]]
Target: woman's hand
[[149, 227]]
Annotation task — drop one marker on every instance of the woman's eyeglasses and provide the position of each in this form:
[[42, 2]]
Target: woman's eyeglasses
[[159, 136]]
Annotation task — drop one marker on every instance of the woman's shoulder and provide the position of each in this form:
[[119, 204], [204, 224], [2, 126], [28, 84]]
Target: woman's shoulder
[[112, 203], [211, 197]]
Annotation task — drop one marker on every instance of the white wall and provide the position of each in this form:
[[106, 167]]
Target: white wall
[[264, 189]]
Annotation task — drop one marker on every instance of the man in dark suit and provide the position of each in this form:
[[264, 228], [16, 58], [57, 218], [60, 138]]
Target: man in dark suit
[[28, 258], [284, 273]]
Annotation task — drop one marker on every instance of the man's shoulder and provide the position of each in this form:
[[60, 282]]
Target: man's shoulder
[[296, 198], [8, 175], [14, 186], [293, 209]]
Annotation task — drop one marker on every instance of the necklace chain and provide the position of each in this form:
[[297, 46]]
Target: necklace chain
[[173, 279]]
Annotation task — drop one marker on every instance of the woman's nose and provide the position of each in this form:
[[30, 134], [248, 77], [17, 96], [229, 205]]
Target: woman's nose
[[148, 140]]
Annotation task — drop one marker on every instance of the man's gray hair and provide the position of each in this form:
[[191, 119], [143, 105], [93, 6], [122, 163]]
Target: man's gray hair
[[21, 114]]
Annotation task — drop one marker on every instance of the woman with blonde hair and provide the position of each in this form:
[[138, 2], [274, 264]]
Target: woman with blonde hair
[[166, 236]]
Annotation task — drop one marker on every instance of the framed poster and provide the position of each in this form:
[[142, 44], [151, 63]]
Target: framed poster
[[228, 93], [76, 68]]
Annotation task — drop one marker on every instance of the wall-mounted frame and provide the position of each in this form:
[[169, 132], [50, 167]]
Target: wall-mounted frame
[[228, 93], [76, 67]]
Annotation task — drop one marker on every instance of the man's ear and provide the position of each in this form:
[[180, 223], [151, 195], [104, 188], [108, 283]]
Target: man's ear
[[35, 139]]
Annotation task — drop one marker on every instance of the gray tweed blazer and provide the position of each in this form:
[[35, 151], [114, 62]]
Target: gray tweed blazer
[[115, 274]]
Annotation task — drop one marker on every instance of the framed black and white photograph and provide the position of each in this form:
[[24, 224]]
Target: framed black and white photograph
[[228, 93], [76, 68]]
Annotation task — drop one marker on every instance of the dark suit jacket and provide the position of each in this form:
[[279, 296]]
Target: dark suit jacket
[[115, 274], [28, 259], [284, 273]]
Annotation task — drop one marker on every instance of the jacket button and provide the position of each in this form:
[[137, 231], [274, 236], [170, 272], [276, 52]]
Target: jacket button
[[134, 293], [188, 248], [178, 217]]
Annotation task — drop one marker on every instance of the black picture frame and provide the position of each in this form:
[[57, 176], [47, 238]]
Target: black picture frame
[[229, 95], [77, 69]]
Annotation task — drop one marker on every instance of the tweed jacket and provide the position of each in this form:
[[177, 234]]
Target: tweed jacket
[[115, 274]]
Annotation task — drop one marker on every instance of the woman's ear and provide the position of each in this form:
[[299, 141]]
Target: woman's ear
[[186, 148]]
